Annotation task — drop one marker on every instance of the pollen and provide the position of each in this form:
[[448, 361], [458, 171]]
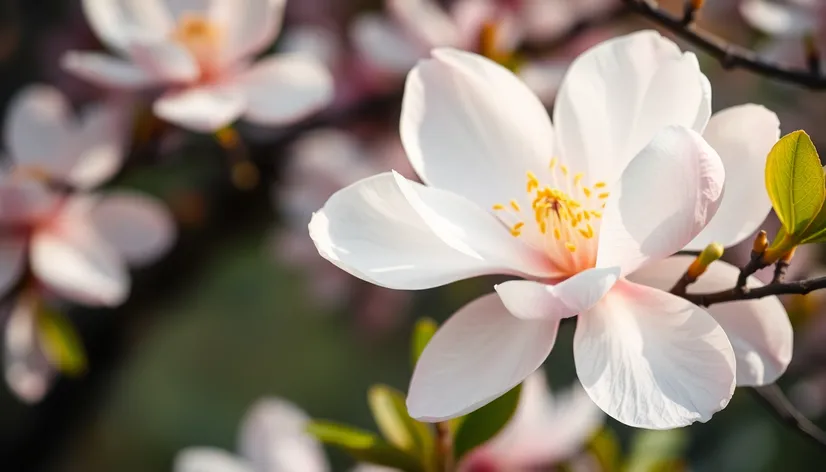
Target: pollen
[[604, 195], [498, 207], [515, 205], [599, 185], [570, 246]]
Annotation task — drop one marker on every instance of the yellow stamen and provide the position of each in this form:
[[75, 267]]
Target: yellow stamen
[[603, 196], [556, 234], [564, 169], [599, 185], [586, 191], [498, 207], [533, 183], [578, 178], [515, 205], [553, 163], [570, 246]]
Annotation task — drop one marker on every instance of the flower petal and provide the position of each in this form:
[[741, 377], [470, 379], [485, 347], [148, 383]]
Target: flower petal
[[285, 88], [167, 60], [116, 22], [382, 45], [470, 126], [12, 261], [665, 197], [70, 259], [743, 137], [250, 25], [209, 459], [653, 360], [28, 372], [480, 353], [776, 19], [544, 78], [619, 94], [273, 437], [529, 300], [101, 145], [24, 201], [759, 330], [400, 234], [425, 20], [107, 71], [139, 227], [35, 112], [201, 109]]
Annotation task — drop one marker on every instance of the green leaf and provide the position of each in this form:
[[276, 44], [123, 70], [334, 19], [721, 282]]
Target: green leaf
[[795, 181], [656, 451], [478, 427], [390, 413], [424, 330], [816, 232], [606, 449], [363, 446], [61, 343]]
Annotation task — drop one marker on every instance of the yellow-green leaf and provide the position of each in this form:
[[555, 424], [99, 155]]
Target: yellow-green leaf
[[363, 446], [795, 181], [424, 330], [816, 232], [651, 451], [481, 425], [397, 427], [61, 343]]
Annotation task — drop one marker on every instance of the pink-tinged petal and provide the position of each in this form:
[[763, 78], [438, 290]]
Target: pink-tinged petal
[[138, 227], [543, 78], [34, 113], [202, 109], [209, 459], [273, 437], [250, 25], [743, 137], [546, 429], [616, 96], [480, 353], [28, 372], [12, 261], [107, 71], [116, 22], [776, 19], [426, 21], [665, 197], [547, 19], [319, 42], [381, 43], [531, 300], [759, 330], [470, 126], [167, 60], [72, 260], [24, 201], [399, 234], [285, 88], [101, 144], [653, 360]]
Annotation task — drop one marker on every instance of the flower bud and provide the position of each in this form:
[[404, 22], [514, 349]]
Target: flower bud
[[711, 253]]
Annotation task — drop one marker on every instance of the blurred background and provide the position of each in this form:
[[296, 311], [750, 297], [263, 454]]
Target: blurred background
[[242, 307]]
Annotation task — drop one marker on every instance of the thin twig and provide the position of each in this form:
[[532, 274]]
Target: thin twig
[[444, 447], [729, 55], [773, 398], [801, 287]]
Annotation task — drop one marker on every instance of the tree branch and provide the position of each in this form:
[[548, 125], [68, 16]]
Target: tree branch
[[729, 55], [801, 287], [773, 398]]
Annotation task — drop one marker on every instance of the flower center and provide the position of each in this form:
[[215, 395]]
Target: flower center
[[563, 218], [201, 36]]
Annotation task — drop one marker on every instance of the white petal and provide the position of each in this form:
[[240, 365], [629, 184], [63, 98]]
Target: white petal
[[24, 201], [201, 109], [759, 330], [70, 259], [470, 126], [273, 437], [779, 19], [319, 42], [167, 60], [531, 300], [116, 22], [400, 234], [544, 78], [100, 145], [381, 43], [480, 353], [208, 459], [250, 25], [285, 88], [12, 261], [28, 372], [653, 360], [139, 227], [107, 71], [665, 197], [619, 94], [35, 112], [743, 137], [425, 20]]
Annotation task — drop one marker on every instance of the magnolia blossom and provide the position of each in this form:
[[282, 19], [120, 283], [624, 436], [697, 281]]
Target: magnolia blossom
[[631, 171], [273, 438], [786, 23], [544, 430], [75, 245], [203, 54]]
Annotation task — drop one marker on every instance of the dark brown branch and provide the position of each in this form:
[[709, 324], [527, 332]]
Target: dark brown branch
[[801, 287], [773, 398], [730, 56]]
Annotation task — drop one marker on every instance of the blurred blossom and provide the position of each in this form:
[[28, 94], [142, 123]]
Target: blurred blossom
[[203, 55], [322, 162], [544, 431], [786, 22], [631, 177], [76, 245], [272, 439]]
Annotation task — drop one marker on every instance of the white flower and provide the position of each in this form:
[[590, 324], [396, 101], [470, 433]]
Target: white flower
[[203, 54], [543, 431], [272, 438], [623, 179]]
